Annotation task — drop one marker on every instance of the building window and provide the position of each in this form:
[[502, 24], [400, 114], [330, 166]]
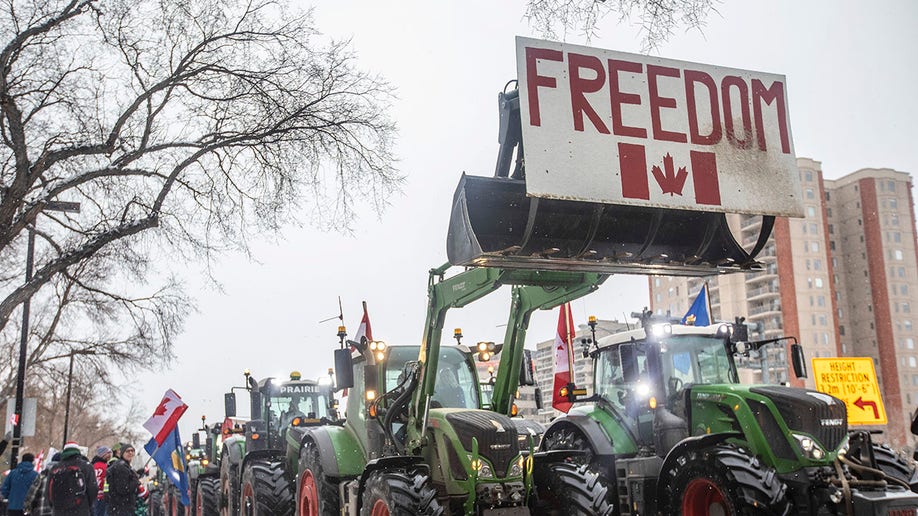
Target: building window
[[891, 186], [893, 204], [912, 362], [898, 254], [818, 282], [810, 211], [907, 324], [906, 308], [841, 330], [910, 343], [810, 194]]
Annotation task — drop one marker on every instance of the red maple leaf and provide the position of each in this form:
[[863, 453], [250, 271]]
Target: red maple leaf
[[671, 182], [161, 409]]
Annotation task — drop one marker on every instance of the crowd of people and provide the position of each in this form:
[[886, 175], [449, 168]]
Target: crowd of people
[[72, 485]]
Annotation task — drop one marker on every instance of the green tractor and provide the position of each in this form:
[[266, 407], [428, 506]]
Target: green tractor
[[673, 430], [416, 439], [255, 476], [204, 470]]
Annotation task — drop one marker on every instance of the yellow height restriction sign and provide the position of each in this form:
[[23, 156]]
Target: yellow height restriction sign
[[854, 381]]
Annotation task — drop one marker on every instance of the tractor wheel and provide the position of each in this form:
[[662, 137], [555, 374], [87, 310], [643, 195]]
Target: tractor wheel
[[229, 487], [896, 465], [571, 489], [722, 479], [191, 509], [314, 493], [156, 504], [207, 501], [568, 438], [265, 490], [399, 493]]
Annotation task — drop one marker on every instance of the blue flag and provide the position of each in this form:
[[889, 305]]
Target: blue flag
[[699, 314], [170, 457]]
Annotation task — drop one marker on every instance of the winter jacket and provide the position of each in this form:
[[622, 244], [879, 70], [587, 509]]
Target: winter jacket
[[100, 466], [35, 502], [91, 490], [123, 484], [17, 484]]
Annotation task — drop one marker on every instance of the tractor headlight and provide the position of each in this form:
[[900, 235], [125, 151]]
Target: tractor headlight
[[809, 447], [483, 468], [516, 470]]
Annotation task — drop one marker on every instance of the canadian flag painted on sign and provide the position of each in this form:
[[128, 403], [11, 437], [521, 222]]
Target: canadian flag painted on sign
[[166, 416], [564, 357], [670, 177]]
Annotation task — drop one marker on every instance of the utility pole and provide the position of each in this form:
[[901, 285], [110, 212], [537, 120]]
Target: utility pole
[[70, 207]]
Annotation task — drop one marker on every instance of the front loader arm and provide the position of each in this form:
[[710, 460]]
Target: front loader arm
[[443, 294], [525, 300]]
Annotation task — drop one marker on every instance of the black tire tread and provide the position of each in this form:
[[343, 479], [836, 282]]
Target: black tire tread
[[406, 493], [752, 487], [209, 488], [572, 489], [272, 491], [329, 499], [896, 465]]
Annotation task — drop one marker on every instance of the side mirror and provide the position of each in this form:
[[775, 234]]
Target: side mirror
[[626, 353], [798, 360], [229, 404], [256, 398], [538, 398], [195, 440], [527, 369], [344, 369]]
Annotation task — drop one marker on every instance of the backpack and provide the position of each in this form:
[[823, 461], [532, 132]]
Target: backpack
[[67, 487]]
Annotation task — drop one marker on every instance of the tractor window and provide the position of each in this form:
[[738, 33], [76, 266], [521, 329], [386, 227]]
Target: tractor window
[[695, 359], [395, 364], [457, 382], [610, 381], [291, 400]]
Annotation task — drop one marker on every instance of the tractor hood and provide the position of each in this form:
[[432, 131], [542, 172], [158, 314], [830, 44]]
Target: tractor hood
[[818, 414]]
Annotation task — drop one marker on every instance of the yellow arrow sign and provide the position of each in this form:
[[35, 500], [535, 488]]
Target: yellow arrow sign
[[854, 381]]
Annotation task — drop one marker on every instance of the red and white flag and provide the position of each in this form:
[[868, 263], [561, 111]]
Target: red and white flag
[[166, 416], [365, 330], [564, 358]]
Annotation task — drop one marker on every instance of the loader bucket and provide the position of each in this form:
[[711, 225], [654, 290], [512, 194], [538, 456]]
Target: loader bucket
[[493, 223]]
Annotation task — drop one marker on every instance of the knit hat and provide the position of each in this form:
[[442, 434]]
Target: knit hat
[[102, 450], [71, 448]]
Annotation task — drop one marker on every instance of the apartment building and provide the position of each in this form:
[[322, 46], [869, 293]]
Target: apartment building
[[842, 280]]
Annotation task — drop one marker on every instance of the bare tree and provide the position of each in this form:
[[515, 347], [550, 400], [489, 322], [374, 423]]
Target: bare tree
[[206, 120], [657, 18]]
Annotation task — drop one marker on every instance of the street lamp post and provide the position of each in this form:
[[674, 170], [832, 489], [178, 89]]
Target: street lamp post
[[71, 207], [67, 410]]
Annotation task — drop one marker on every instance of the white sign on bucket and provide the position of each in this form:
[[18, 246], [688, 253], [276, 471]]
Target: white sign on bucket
[[611, 127]]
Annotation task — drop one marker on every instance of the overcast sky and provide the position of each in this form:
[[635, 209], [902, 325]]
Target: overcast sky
[[851, 80]]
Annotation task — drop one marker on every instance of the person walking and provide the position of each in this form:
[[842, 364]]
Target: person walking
[[17, 483], [100, 466], [123, 484], [36, 503], [72, 485]]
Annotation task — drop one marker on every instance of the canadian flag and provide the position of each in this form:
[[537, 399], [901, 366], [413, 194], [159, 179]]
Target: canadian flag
[[671, 178], [166, 416], [364, 330], [564, 357]]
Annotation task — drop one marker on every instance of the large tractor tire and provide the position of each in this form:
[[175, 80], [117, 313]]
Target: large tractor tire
[[229, 487], [207, 499], [564, 488], [722, 479], [156, 504], [896, 465], [400, 493], [315, 495], [265, 490]]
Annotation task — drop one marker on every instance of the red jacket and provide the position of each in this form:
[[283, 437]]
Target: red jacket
[[100, 466]]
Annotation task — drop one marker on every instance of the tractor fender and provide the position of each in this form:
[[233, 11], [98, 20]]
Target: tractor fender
[[690, 443], [234, 449], [600, 443], [340, 451]]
